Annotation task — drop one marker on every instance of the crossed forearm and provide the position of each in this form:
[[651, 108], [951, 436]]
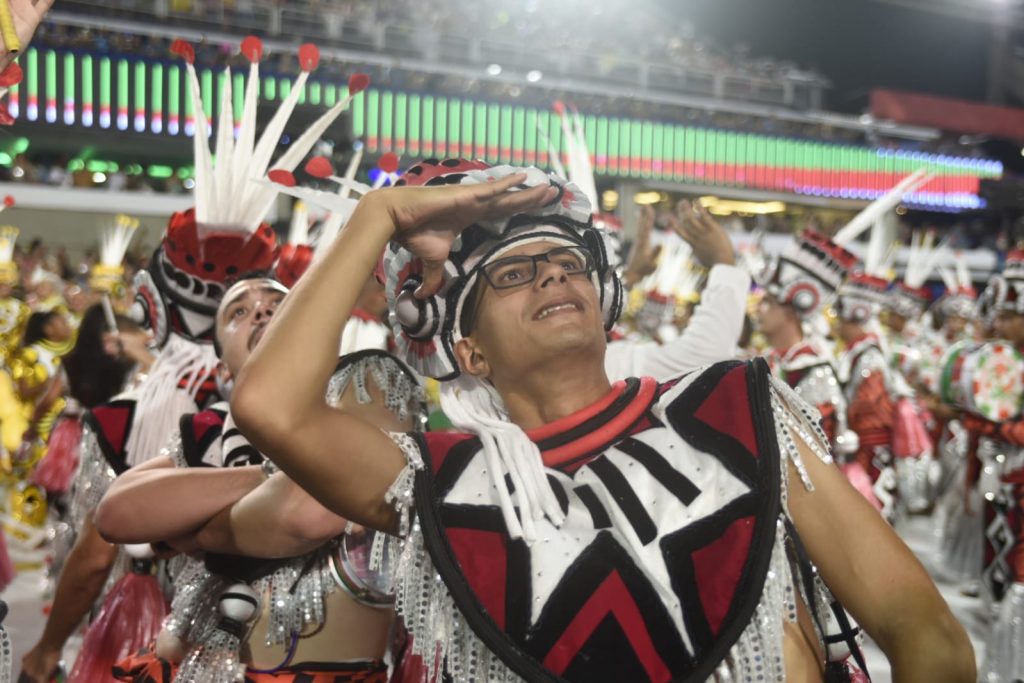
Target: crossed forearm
[[277, 519], [162, 504]]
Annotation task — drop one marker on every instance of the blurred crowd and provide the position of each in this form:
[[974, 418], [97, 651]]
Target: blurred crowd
[[644, 35]]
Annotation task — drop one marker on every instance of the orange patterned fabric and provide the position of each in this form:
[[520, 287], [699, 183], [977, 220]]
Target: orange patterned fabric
[[146, 667]]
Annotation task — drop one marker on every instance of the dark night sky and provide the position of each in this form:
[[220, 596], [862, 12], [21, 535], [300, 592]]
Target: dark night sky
[[857, 44]]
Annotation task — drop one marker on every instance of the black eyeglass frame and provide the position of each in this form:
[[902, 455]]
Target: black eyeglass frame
[[588, 256]]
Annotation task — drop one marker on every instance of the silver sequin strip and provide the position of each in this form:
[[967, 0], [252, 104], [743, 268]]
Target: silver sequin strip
[[6, 656], [94, 477], [194, 614], [401, 392]]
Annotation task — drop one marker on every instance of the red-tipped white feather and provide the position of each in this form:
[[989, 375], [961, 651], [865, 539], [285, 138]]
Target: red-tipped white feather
[[246, 132], [221, 211], [298, 149], [203, 192]]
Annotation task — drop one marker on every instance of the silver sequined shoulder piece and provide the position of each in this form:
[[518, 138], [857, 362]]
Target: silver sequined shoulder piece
[[820, 385], [94, 477], [401, 391], [400, 493], [175, 450], [193, 614], [6, 656], [869, 361], [798, 423]]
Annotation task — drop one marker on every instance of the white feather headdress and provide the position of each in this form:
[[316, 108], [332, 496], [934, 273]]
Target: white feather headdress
[[225, 195], [115, 238], [922, 258]]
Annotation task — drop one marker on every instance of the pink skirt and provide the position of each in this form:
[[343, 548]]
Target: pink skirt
[[57, 468]]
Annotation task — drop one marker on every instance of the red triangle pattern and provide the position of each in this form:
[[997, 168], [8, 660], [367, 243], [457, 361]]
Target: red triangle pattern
[[482, 557], [114, 420], [725, 409], [611, 597], [718, 568]]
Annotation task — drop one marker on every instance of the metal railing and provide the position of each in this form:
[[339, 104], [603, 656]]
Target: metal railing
[[794, 90]]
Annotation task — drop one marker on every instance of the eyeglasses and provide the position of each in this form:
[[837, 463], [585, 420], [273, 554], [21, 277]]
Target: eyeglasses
[[517, 271]]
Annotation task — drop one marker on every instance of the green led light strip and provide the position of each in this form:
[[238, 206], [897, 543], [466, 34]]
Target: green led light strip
[[174, 97], [387, 121], [415, 107], [105, 89], [156, 102], [373, 120], [238, 96], [51, 85], [140, 92], [123, 85], [87, 91], [401, 122], [206, 90], [69, 88]]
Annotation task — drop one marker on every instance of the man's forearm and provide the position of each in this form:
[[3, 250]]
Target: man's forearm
[[711, 335], [81, 582], [161, 504]]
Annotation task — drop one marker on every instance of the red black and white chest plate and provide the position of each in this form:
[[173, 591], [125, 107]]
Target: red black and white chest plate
[[671, 495]]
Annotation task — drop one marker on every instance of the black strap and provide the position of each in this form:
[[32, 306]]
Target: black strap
[[798, 555]]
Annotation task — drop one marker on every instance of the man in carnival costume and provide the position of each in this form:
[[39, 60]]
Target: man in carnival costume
[[909, 298], [203, 251], [803, 281], [318, 600], [893, 445], [958, 305], [591, 534]]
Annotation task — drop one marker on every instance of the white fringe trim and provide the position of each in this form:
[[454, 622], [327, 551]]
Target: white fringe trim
[[160, 403]]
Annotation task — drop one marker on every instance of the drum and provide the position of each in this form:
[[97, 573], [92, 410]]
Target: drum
[[986, 379]]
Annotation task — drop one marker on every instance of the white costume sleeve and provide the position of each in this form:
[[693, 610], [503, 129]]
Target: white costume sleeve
[[710, 337]]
